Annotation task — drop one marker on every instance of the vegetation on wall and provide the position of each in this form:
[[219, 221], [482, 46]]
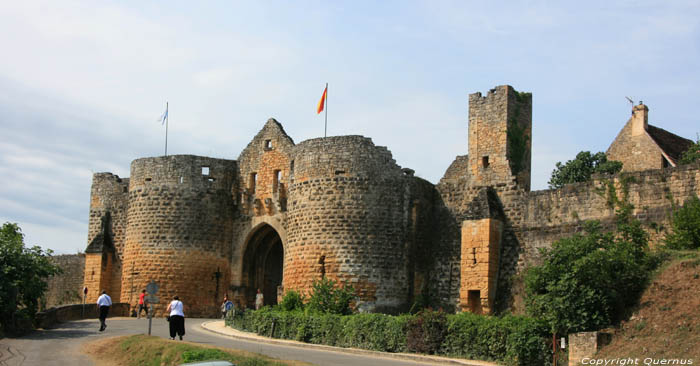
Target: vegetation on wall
[[588, 280], [692, 154], [24, 274], [685, 226], [582, 168], [517, 143]]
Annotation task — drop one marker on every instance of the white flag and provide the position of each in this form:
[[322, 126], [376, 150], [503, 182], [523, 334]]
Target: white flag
[[163, 116]]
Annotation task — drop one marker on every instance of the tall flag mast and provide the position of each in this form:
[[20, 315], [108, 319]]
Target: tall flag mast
[[323, 105], [164, 120]]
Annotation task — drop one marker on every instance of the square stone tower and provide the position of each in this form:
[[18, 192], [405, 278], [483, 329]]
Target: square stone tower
[[500, 137]]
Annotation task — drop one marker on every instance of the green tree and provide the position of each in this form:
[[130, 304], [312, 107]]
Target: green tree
[[685, 226], [581, 168], [588, 280], [328, 296], [23, 274], [692, 154]]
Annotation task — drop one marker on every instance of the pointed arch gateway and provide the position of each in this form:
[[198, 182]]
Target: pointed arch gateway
[[263, 265]]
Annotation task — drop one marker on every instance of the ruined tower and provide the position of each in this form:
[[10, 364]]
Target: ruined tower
[[500, 137]]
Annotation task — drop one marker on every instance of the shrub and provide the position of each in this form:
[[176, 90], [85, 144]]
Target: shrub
[[377, 332], [426, 331], [292, 300], [588, 280], [685, 226], [516, 340], [510, 339], [328, 296]]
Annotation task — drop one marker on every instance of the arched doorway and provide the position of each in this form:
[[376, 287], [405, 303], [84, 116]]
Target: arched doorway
[[263, 264]]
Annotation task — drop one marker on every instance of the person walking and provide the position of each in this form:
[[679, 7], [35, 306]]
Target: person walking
[[103, 304], [142, 304], [177, 318], [226, 306], [259, 300]]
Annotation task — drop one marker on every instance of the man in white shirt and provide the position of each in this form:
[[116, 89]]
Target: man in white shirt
[[103, 304]]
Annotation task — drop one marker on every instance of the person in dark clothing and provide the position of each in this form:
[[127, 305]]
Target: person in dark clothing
[[177, 318], [103, 304]]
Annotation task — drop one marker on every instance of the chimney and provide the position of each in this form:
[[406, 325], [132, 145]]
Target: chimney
[[640, 119]]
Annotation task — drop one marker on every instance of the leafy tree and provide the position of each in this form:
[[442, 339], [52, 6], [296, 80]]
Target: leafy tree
[[588, 280], [685, 226], [692, 154], [581, 168], [328, 296], [23, 274]]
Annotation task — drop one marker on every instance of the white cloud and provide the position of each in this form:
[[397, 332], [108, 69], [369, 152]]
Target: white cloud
[[82, 82]]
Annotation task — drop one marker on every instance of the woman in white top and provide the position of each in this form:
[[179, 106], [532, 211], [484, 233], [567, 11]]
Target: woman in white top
[[177, 318]]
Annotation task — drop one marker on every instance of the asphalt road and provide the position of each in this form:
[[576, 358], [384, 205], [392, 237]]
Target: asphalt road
[[62, 345]]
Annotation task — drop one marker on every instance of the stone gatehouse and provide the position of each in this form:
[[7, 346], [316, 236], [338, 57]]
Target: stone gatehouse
[[283, 215]]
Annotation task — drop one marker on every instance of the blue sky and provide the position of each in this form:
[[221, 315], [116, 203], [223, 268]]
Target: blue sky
[[83, 82]]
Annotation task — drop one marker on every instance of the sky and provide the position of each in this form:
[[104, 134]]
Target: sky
[[82, 83]]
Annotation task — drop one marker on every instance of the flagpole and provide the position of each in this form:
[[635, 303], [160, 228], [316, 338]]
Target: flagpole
[[325, 127], [167, 117]]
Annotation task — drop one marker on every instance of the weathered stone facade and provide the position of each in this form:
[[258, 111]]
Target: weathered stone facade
[[67, 286], [284, 215], [640, 146]]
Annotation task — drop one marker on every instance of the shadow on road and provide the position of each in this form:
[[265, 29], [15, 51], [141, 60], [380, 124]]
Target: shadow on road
[[61, 331]]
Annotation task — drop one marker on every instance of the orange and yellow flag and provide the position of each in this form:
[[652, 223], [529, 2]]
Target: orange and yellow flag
[[322, 102]]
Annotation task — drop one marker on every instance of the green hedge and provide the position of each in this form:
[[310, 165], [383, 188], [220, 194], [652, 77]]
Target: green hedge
[[511, 339]]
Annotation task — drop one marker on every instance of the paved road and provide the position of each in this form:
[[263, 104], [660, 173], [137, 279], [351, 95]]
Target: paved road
[[62, 345]]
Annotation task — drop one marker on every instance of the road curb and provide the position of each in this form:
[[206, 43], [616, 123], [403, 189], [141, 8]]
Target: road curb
[[207, 326]]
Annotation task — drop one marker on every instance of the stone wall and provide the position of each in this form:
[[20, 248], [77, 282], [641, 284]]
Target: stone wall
[[109, 193], [537, 219], [349, 211], [66, 287], [108, 206], [50, 317], [179, 230]]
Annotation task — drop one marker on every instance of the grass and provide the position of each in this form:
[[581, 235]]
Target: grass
[[146, 350]]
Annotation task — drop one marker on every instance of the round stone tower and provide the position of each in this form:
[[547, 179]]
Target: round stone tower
[[347, 219], [179, 231]]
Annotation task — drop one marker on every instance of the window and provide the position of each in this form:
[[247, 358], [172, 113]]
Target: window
[[291, 166], [485, 161], [182, 179], [205, 170], [252, 181], [268, 144], [275, 180]]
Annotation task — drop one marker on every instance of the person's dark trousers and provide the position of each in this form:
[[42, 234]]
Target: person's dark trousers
[[144, 308], [104, 310], [177, 326]]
